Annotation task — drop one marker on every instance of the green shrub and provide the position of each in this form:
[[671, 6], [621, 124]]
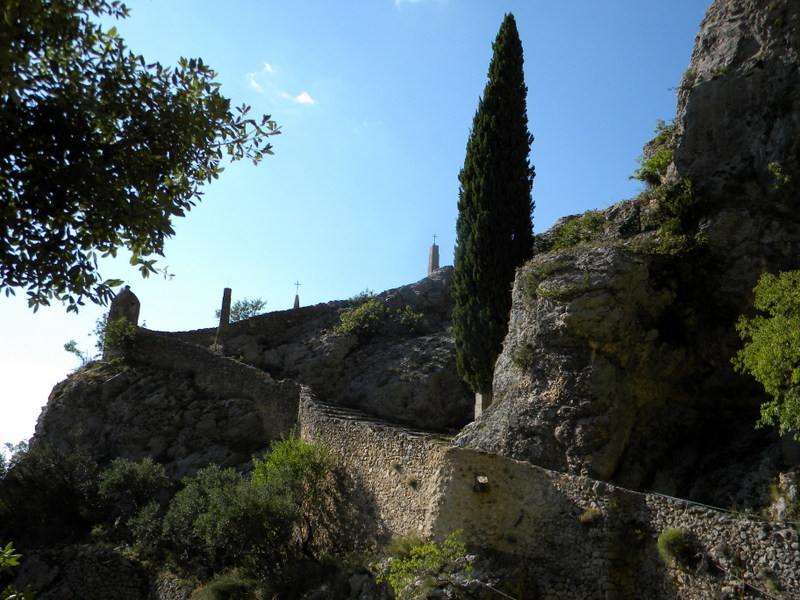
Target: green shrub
[[124, 489], [228, 586], [47, 496], [427, 565], [119, 337], [537, 273], [591, 516], [579, 229], [373, 317], [678, 209], [363, 321], [786, 184], [771, 353], [401, 547], [218, 520], [653, 166], [675, 546], [360, 298], [244, 309], [144, 528], [297, 471], [688, 80]]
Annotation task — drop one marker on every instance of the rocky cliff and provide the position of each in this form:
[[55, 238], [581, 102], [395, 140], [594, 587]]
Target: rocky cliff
[[617, 362]]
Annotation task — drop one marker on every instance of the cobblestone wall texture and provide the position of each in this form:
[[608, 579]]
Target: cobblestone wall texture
[[579, 538]]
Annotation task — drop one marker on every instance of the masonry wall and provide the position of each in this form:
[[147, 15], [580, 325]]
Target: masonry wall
[[575, 537], [276, 401], [391, 475], [272, 329]]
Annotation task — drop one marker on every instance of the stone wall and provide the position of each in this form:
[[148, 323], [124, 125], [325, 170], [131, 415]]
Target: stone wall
[[272, 329], [276, 401], [390, 474], [586, 539], [575, 537]]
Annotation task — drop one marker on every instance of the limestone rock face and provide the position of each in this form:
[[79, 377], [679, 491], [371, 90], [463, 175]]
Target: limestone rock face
[[739, 100], [617, 361], [147, 412]]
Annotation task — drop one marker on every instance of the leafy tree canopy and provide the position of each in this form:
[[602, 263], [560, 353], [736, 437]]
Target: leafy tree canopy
[[244, 309], [771, 353], [99, 149]]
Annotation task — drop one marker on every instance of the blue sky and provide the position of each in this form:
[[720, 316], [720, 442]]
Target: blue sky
[[375, 99]]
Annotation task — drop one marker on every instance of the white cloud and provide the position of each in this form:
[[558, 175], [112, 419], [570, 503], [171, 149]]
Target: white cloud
[[251, 79], [265, 81], [256, 78]]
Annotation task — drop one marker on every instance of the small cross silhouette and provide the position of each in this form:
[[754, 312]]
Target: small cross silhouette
[[434, 239], [297, 285]]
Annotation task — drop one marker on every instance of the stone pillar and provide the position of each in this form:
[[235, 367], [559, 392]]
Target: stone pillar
[[482, 402], [224, 319], [125, 305], [296, 301], [433, 259]]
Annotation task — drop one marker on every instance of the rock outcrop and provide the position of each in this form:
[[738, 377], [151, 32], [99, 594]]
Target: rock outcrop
[[186, 405], [617, 362]]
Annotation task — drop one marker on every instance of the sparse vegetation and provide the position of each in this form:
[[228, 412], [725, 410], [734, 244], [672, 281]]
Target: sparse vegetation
[[83, 355], [676, 547], [119, 337], [372, 317], [564, 292], [579, 229], [537, 273], [360, 298], [653, 165], [522, 356], [228, 586], [591, 516], [688, 80]]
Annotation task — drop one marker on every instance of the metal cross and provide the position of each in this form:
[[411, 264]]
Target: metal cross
[[434, 239], [297, 285]]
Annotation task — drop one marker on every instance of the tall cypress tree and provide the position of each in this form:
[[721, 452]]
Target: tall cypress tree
[[494, 231]]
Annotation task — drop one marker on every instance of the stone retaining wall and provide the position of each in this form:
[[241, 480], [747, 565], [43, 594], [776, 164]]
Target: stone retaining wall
[[577, 538], [276, 401], [272, 329], [390, 474]]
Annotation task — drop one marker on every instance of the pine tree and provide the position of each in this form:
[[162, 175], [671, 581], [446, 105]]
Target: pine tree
[[494, 231]]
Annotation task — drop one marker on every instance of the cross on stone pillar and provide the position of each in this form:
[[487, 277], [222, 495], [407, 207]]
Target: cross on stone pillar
[[433, 257], [297, 285]]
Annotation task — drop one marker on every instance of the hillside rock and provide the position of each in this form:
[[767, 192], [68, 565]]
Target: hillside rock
[[185, 405], [617, 362], [406, 377], [739, 100]]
